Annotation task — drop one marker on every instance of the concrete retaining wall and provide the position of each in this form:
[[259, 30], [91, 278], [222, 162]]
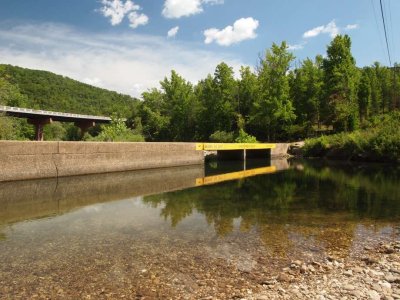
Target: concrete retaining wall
[[281, 150], [33, 160]]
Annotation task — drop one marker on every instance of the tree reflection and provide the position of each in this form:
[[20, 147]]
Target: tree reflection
[[313, 202]]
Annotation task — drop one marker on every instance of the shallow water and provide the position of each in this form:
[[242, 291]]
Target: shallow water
[[172, 234]]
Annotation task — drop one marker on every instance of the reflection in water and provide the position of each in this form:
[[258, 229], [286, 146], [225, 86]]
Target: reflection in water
[[186, 240], [21, 200], [317, 201]]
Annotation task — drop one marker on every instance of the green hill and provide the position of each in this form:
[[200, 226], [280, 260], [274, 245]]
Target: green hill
[[48, 91]]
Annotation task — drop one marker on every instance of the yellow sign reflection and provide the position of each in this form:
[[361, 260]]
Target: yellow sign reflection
[[234, 175]]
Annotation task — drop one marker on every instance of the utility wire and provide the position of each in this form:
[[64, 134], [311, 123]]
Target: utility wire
[[384, 28], [377, 26], [394, 52]]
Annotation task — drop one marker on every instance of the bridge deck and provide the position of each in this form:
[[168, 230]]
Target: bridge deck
[[55, 116], [233, 146]]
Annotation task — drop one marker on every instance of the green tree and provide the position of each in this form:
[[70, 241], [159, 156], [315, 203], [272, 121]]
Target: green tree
[[273, 112], [340, 84], [306, 90], [117, 131], [154, 117], [206, 114], [376, 88], [364, 95], [179, 106], [218, 102], [248, 90], [225, 94], [10, 94]]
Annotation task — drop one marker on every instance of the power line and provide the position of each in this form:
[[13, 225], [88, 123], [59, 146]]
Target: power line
[[377, 26], [393, 43], [384, 28]]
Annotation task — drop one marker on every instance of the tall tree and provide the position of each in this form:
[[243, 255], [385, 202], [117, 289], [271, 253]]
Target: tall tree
[[248, 93], [219, 102], [179, 100], [340, 83], [376, 88], [273, 112], [364, 95], [306, 89], [154, 116]]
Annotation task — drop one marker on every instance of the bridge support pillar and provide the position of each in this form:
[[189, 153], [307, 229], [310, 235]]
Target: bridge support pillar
[[231, 155], [84, 126], [39, 124]]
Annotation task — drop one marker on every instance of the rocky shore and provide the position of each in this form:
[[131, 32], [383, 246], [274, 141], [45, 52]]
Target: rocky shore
[[374, 276]]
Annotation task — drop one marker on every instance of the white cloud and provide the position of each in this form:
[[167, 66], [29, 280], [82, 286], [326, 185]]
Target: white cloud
[[174, 9], [173, 32], [329, 28], [296, 47], [136, 19], [242, 29], [352, 27], [126, 63], [116, 10]]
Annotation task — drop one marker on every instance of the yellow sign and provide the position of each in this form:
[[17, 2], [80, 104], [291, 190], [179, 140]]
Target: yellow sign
[[199, 146], [234, 175], [236, 146]]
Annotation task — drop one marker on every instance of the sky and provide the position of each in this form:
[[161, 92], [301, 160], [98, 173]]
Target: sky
[[130, 45]]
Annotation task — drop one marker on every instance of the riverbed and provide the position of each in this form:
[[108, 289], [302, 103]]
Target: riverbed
[[173, 234]]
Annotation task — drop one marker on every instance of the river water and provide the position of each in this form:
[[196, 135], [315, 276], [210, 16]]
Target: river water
[[219, 230]]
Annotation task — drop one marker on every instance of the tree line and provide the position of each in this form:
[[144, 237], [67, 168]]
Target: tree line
[[273, 102]]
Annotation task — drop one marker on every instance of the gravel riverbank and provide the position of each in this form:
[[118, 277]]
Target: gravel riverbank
[[373, 276]]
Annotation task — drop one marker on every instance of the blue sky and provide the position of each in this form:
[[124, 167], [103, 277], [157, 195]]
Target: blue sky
[[129, 46]]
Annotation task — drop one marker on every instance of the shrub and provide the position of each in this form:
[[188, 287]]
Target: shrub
[[244, 137], [117, 132], [222, 137], [378, 141]]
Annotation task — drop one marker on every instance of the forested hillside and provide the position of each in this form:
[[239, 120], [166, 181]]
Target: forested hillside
[[48, 91]]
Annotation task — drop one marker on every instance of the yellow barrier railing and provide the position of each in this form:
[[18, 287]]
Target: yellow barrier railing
[[233, 146], [234, 175]]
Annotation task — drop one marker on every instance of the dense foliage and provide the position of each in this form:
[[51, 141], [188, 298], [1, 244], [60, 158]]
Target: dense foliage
[[48, 91], [274, 102], [118, 132], [378, 141], [44, 90]]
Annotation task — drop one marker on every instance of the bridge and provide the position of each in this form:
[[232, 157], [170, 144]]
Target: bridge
[[39, 118]]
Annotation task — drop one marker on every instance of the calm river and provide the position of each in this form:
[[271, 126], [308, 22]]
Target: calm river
[[188, 232]]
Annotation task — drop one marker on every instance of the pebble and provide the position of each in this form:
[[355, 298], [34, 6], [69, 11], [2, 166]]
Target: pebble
[[373, 295], [349, 287], [386, 285], [348, 273], [357, 270], [377, 287], [390, 278], [356, 293]]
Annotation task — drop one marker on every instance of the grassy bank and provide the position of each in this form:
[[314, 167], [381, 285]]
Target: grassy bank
[[378, 140]]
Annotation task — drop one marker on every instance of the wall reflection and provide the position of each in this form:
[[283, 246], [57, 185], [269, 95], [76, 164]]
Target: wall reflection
[[23, 200]]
